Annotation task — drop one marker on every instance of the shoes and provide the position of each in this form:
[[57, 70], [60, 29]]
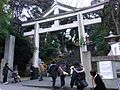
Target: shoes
[[62, 87], [5, 83], [40, 79]]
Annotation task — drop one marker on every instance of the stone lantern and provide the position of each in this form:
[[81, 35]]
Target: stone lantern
[[114, 42], [112, 39]]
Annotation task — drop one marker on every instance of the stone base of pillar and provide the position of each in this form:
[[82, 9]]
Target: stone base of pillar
[[36, 74], [87, 65]]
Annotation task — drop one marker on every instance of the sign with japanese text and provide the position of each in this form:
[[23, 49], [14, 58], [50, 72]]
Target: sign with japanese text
[[106, 69]]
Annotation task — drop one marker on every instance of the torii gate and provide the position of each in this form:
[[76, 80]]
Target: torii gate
[[80, 23]]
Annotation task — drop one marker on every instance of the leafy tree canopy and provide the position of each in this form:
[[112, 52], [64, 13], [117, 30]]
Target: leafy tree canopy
[[97, 36]]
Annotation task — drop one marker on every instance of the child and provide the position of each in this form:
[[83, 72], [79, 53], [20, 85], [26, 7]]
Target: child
[[16, 77]]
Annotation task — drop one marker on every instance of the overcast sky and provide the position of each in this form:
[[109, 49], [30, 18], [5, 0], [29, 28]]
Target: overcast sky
[[78, 3]]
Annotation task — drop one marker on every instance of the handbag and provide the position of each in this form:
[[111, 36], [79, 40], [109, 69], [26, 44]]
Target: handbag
[[84, 83], [65, 73]]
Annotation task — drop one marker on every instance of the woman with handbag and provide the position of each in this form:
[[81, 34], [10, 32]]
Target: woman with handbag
[[78, 76], [62, 70]]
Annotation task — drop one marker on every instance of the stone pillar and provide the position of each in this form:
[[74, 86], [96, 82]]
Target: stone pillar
[[9, 51], [81, 30], [87, 65], [81, 33], [36, 52]]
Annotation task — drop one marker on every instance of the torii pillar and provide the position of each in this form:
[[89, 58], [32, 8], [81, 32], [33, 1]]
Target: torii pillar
[[36, 51], [85, 56]]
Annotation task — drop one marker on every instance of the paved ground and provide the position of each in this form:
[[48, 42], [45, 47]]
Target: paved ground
[[46, 83], [37, 85], [15, 87]]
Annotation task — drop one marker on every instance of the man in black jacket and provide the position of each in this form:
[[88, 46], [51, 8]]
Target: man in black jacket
[[77, 76], [53, 71]]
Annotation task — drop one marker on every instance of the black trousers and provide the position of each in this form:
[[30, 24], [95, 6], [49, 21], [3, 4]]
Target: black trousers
[[5, 78], [62, 78], [54, 81]]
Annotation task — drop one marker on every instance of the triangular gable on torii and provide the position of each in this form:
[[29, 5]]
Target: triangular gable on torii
[[57, 7]]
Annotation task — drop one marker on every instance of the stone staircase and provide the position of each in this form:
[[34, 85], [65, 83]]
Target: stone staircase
[[70, 59]]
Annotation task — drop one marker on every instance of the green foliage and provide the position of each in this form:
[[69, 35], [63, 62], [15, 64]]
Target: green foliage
[[2, 3], [23, 52], [106, 10], [5, 26], [97, 37], [1, 52], [49, 48], [70, 45]]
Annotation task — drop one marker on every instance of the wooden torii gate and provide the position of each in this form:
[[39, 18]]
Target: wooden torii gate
[[80, 23]]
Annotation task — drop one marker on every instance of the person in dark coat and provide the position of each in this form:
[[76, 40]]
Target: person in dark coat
[[5, 73], [97, 81], [77, 76], [62, 68], [53, 71], [31, 72]]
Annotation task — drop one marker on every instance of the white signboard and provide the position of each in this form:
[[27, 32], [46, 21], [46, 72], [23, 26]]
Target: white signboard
[[116, 48], [106, 69]]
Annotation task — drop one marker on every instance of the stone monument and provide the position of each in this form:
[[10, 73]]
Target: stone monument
[[8, 53]]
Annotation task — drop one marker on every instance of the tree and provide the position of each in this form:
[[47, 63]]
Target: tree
[[97, 35], [5, 26], [114, 6], [23, 52], [49, 46], [32, 8], [110, 22]]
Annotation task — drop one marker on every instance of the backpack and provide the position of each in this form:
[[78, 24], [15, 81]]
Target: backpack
[[53, 69]]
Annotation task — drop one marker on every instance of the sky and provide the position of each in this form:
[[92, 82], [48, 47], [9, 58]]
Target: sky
[[78, 3]]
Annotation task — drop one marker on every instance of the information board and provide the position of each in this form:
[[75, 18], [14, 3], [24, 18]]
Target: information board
[[106, 69]]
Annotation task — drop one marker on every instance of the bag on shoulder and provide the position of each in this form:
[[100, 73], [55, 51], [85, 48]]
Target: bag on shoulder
[[81, 83], [65, 73], [84, 83]]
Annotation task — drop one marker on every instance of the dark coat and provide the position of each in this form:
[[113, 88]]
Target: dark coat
[[64, 68], [5, 70], [53, 70], [77, 77], [99, 83]]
